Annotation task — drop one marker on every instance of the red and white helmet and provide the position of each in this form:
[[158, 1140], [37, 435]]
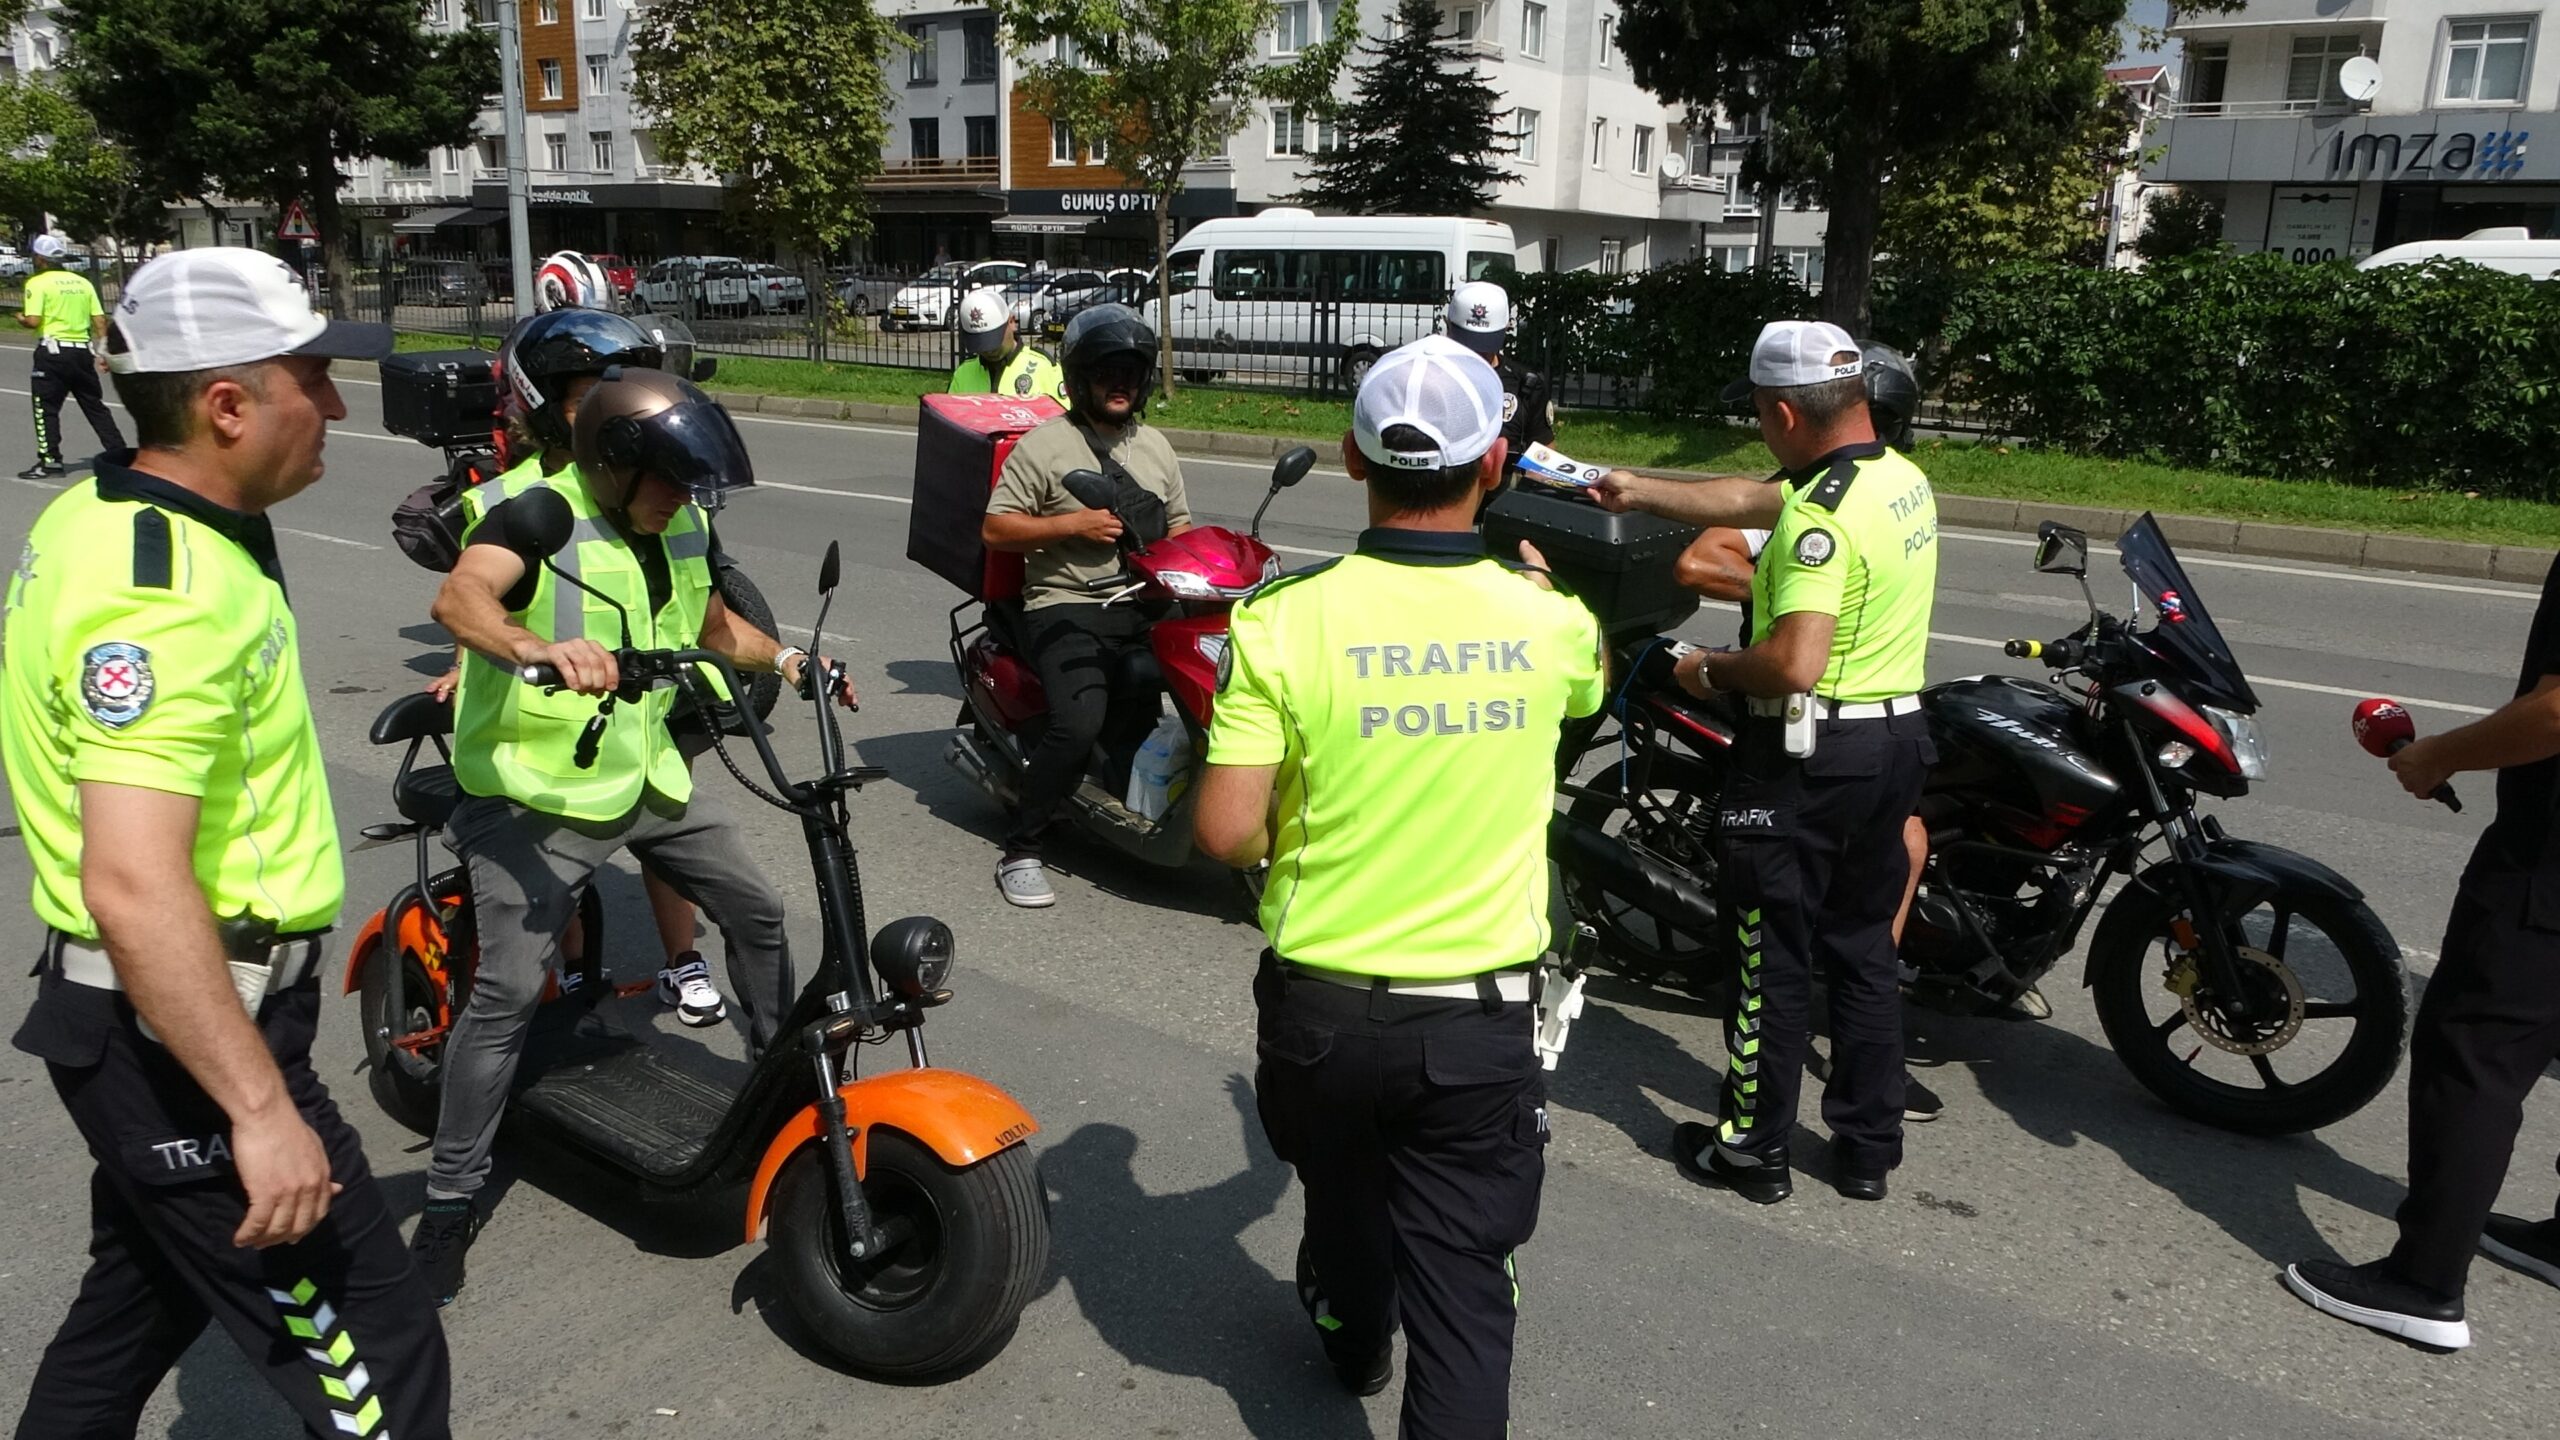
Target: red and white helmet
[[569, 280]]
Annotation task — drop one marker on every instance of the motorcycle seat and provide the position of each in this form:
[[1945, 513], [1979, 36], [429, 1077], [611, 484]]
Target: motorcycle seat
[[427, 795], [417, 716]]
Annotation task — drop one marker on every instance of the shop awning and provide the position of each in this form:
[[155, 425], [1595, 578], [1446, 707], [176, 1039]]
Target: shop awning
[[1045, 224], [425, 221]]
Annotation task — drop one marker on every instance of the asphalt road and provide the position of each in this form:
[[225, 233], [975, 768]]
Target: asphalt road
[[2061, 1256]]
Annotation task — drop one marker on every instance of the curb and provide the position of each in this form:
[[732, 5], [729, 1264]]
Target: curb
[[2359, 549]]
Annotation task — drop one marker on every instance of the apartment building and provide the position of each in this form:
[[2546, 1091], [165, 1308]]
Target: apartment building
[[2334, 128]]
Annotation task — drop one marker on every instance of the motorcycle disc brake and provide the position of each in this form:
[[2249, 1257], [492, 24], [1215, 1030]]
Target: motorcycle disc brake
[[2217, 1029]]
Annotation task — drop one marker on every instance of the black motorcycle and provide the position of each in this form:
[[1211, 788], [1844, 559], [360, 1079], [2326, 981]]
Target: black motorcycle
[[2247, 986]]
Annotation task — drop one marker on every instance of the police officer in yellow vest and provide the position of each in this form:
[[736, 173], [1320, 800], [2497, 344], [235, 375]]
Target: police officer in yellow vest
[[63, 310], [160, 751], [652, 454], [998, 362], [1810, 833], [1403, 705]]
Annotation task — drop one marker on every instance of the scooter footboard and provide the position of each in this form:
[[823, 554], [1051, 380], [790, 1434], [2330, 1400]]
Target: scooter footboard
[[959, 1117]]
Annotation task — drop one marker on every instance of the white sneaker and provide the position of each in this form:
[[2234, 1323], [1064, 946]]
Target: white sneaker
[[688, 988]]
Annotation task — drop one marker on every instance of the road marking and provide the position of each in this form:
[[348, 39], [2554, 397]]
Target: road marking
[[332, 539], [2262, 567], [2304, 685]]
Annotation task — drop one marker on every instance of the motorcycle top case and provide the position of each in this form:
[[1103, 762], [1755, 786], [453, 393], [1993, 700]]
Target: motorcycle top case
[[1623, 566], [961, 444], [442, 397]]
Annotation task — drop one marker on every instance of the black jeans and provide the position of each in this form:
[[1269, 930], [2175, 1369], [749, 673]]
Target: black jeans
[[2488, 1024], [1076, 647], [1419, 1128], [337, 1322], [71, 373]]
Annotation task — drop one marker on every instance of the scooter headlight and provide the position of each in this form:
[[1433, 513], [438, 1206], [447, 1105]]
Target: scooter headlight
[[2248, 742], [914, 957], [1187, 585]]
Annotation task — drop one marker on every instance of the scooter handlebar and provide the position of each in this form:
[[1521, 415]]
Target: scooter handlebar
[[549, 675]]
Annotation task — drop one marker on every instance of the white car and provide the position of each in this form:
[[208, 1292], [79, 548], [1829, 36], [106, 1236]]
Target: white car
[[777, 290], [927, 302], [696, 285], [16, 267]]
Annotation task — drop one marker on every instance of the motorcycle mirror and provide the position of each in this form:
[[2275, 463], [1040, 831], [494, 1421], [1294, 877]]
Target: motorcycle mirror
[[1091, 490], [2061, 550], [537, 524], [831, 569], [1293, 467], [705, 368]]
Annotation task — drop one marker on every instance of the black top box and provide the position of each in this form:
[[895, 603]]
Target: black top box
[[1623, 566], [441, 397]]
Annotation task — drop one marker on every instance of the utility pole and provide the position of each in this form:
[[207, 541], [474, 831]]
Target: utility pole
[[511, 119]]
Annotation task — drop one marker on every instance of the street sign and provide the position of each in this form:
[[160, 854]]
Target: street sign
[[297, 224]]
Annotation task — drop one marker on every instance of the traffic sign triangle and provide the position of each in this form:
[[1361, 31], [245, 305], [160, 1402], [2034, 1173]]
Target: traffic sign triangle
[[297, 224]]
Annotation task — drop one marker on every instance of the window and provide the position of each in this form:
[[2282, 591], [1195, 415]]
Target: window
[[550, 12], [1463, 22], [2312, 78], [1732, 259], [2208, 69], [1741, 202], [492, 158], [452, 160], [921, 55], [1609, 45], [550, 79], [1599, 143], [2485, 59], [1185, 268], [599, 70], [1063, 51], [1643, 160], [1482, 263], [1551, 254], [1613, 257], [402, 170], [1288, 132], [981, 136], [1289, 27], [595, 9], [1524, 136], [439, 12], [1062, 144], [555, 152], [924, 138], [44, 49], [1533, 29], [1803, 262], [600, 151], [978, 44], [1405, 277]]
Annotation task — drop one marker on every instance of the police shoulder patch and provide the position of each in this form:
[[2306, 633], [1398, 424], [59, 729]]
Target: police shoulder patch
[[1022, 382], [1510, 405], [115, 683], [1815, 547], [1226, 666]]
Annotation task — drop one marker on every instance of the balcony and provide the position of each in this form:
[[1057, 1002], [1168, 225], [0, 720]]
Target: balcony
[[2255, 109], [970, 173], [2284, 14]]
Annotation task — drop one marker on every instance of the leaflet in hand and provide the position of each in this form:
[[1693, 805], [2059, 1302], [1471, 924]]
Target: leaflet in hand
[[1541, 463]]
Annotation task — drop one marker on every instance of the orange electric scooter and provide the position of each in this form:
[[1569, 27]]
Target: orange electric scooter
[[903, 1207]]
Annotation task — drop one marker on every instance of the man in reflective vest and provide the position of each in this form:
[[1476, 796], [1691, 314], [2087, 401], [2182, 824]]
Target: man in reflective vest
[[652, 453], [998, 362]]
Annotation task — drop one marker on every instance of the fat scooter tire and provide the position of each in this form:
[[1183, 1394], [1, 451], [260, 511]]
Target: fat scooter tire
[[946, 1299], [412, 1102]]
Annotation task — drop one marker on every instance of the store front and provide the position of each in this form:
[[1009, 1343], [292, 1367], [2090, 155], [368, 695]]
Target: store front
[[647, 220], [1097, 229]]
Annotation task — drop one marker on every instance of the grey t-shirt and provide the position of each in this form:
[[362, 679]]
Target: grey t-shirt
[[1033, 484]]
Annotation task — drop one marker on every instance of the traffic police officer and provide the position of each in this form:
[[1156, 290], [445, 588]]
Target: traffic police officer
[[998, 362], [159, 745], [63, 310], [1811, 830], [1480, 319], [1403, 704]]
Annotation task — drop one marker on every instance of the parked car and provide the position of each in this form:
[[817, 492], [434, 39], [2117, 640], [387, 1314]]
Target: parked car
[[1058, 297], [619, 273], [441, 282], [865, 292], [776, 290], [15, 266], [932, 300], [694, 285]]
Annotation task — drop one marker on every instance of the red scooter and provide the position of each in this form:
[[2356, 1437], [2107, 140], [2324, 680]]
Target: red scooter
[[1197, 577]]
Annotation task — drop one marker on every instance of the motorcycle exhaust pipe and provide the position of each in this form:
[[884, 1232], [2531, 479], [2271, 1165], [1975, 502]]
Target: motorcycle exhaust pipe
[[964, 755], [1659, 890]]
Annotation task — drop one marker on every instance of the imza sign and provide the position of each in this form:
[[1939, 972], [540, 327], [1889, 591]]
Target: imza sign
[[2443, 155]]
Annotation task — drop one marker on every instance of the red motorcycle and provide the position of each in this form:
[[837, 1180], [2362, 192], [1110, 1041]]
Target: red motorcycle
[[1194, 578]]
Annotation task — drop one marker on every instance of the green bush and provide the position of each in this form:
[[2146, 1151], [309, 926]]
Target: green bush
[[2437, 376], [1668, 339]]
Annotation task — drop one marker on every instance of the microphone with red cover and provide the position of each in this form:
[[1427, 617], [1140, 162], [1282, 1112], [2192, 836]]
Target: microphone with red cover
[[2384, 729]]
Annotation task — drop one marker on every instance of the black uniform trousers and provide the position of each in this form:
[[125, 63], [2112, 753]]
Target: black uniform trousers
[[1419, 1129], [1078, 649], [1813, 866], [2487, 1026], [69, 371], [339, 1322]]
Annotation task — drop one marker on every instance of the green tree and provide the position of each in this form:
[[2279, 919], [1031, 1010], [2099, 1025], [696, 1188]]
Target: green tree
[[53, 160], [788, 99], [2182, 222], [1857, 91], [258, 100], [1156, 82], [1419, 134]]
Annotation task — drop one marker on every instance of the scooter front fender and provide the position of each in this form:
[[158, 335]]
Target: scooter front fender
[[957, 1116], [367, 939]]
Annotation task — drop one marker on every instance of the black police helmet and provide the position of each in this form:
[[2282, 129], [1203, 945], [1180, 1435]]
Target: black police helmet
[[537, 361], [1893, 393], [1101, 333]]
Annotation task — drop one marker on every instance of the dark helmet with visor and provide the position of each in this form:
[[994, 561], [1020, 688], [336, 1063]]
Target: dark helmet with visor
[[647, 422], [543, 354], [1100, 334], [1893, 393]]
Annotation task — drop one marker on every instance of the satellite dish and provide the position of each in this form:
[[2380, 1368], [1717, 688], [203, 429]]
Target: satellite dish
[[1673, 167], [2360, 77]]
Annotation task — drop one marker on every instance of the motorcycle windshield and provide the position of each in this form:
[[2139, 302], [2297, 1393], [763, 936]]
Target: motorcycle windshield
[[2182, 633]]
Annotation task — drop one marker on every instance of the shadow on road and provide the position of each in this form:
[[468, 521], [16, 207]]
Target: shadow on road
[[1165, 1281], [924, 677], [1617, 1058]]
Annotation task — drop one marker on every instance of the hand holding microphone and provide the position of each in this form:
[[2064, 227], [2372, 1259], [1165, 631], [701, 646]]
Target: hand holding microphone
[[2383, 728]]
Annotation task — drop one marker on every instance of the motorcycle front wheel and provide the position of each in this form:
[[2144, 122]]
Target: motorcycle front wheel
[[2327, 1022], [968, 1246]]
